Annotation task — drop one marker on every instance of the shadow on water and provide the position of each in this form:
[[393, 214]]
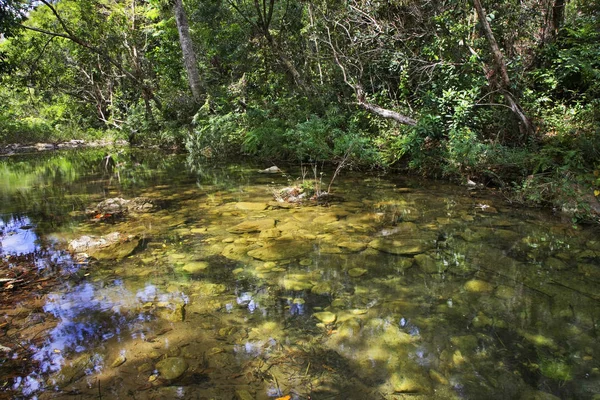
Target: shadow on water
[[402, 288]]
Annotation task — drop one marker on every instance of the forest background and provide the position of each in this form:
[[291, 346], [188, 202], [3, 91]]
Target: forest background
[[504, 93]]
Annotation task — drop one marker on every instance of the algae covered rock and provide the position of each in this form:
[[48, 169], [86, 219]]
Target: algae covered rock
[[478, 286], [296, 284], [195, 267], [249, 206], [253, 226], [410, 383], [356, 272], [353, 247], [428, 264], [171, 368], [325, 317], [322, 288], [400, 246], [281, 250], [172, 312]]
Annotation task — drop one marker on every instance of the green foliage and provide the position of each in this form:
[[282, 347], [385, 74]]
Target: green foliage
[[287, 89], [556, 369], [215, 136]]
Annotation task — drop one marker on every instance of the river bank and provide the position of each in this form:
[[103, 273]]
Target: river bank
[[19, 148]]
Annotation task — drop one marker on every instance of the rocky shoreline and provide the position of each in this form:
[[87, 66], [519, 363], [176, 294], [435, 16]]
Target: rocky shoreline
[[18, 148]]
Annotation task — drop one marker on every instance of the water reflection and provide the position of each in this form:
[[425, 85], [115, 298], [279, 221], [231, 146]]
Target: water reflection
[[17, 236]]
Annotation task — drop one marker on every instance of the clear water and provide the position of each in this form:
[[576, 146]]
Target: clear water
[[395, 288]]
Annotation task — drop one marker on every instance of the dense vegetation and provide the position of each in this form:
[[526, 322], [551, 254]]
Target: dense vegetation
[[503, 93]]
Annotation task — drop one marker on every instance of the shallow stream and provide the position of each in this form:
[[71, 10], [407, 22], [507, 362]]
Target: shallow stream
[[394, 288]]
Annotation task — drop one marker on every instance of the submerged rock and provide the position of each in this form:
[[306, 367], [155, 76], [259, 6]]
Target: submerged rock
[[296, 282], [120, 360], [71, 371], [281, 250], [428, 264], [400, 247], [353, 247], [248, 206], [322, 288], [270, 233], [110, 247], [478, 286], [171, 368], [409, 383], [172, 312], [356, 272], [325, 317], [195, 267], [349, 329], [253, 226]]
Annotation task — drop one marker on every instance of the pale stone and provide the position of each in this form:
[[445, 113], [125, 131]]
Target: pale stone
[[400, 247], [248, 206], [325, 317], [195, 267], [109, 247], [120, 360], [458, 359], [478, 286]]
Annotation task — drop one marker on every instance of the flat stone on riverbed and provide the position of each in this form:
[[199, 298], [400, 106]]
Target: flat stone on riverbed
[[478, 286], [281, 250], [253, 226], [325, 317], [356, 272], [248, 206], [171, 368], [400, 247], [195, 267], [353, 246]]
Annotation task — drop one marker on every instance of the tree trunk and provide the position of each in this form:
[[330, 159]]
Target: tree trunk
[[187, 48], [382, 112], [526, 126], [558, 16]]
